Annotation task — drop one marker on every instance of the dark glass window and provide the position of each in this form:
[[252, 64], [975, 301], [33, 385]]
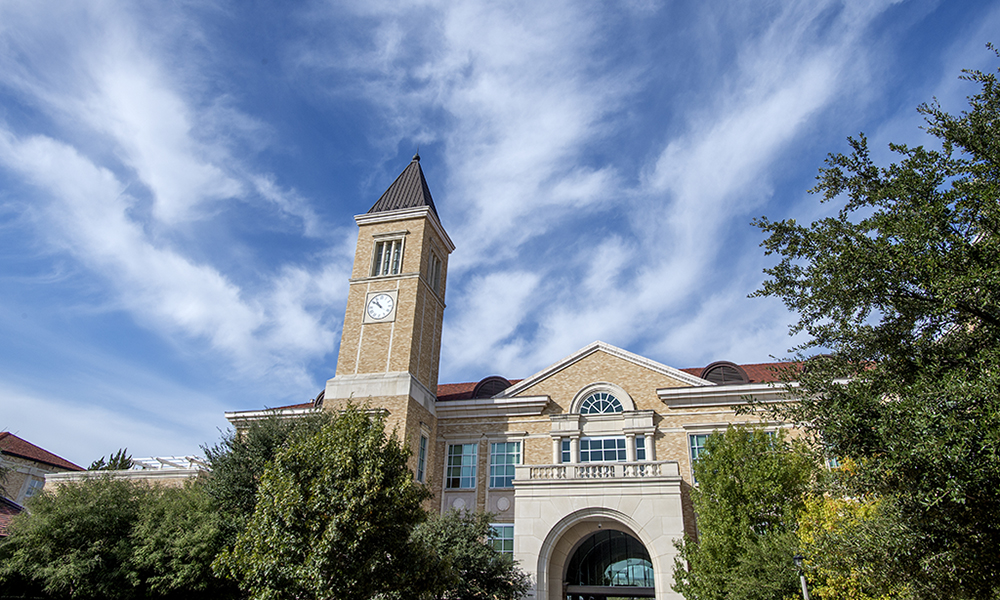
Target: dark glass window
[[610, 559]]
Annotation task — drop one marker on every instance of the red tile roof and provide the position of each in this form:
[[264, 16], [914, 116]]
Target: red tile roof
[[15, 446], [758, 372], [8, 510]]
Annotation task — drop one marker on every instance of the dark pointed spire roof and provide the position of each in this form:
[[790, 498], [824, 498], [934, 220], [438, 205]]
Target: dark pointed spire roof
[[408, 191]]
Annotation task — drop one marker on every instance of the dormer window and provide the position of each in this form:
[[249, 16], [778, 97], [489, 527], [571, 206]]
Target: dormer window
[[600, 403], [388, 257]]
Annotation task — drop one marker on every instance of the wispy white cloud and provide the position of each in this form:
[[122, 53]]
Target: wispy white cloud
[[138, 152], [525, 102]]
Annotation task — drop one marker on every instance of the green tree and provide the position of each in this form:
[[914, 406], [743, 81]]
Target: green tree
[[75, 542], [749, 493], [174, 541], [333, 516], [459, 563], [113, 538], [902, 288], [119, 461], [238, 462]]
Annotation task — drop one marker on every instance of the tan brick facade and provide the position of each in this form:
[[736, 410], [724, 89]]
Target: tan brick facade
[[554, 504]]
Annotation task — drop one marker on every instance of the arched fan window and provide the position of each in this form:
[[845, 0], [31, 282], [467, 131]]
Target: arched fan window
[[600, 403]]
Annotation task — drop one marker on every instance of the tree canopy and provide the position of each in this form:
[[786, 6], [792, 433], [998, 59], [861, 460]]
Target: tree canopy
[[901, 290], [118, 461], [461, 564], [751, 486], [113, 538], [333, 516]]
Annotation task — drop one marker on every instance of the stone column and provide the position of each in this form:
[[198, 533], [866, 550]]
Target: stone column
[[556, 450], [630, 447], [574, 449], [650, 447]]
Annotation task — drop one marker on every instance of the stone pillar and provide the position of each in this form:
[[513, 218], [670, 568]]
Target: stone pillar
[[650, 447], [630, 447], [556, 450], [574, 449]]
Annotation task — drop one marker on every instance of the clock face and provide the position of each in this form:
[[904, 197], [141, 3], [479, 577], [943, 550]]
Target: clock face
[[380, 306]]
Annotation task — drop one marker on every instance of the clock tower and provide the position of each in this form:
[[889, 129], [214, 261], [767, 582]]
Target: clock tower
[[391, 342]]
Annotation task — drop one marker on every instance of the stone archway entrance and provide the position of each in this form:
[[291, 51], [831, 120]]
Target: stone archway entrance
[[609, 565]]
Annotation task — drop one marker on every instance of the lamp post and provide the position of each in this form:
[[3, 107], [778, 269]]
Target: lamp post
[[802, 575]]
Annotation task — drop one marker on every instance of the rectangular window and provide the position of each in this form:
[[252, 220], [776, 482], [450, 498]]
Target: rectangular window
[[640, 447], [388, 256], [422, 459], [503, 457], [461, 466], [697, 442], [34, 486], [565, 451], [610, 449], [502, 538], [697, 445], [435, 274]]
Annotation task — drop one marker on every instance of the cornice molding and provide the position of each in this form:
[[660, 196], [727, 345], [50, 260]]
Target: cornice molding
[[407, 213], [492, 407], [724, 395]]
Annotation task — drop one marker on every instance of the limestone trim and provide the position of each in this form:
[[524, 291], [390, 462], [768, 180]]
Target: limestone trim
[[492, 407], [383, 278], [633, 421], [408, 213], [149, 475], [358, 387], [600, 346], [724, 395]]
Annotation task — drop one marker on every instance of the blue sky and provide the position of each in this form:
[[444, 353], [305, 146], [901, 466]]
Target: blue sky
[[178, 181]]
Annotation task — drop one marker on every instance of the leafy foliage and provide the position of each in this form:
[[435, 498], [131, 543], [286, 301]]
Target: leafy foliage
[[462, 564], [846, 549], [119, 461], [238, 462], [333, 516], [750, 491], [903, 286], [112, 538]]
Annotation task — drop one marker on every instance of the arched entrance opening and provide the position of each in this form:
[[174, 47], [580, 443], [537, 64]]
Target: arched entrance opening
[[609, 565]]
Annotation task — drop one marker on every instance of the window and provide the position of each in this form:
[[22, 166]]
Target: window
[[565, 451], [435, 274], [34, 486], [502, 538], [461, 466], [503, 457], [600, 403], [388, 256], [640, 447], [610, 449], [422, 459], [697, 445]]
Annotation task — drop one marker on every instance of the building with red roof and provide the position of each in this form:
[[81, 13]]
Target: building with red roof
[[586, 464], [27, 466]]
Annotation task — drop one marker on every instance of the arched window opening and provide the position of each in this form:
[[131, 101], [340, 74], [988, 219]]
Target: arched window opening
[[611, 559], [600, 403]]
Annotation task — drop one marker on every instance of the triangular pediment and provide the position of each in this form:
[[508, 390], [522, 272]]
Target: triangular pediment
[[682, 378]]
